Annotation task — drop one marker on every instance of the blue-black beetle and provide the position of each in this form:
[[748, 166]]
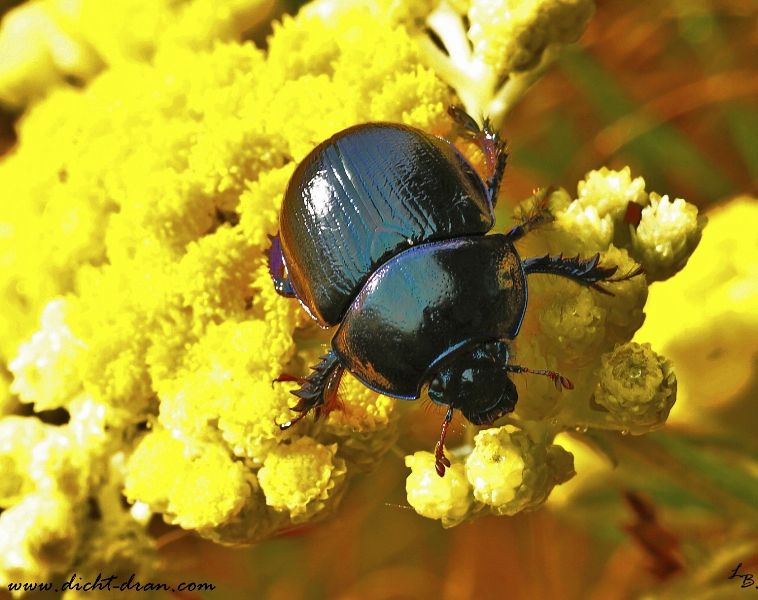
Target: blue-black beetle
[[382, 232]]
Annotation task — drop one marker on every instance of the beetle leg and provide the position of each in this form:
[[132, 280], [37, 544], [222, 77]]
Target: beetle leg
[[277, 269], [537, 216], [491, 144], [442, 461], [318, 391], [559, 380], [586, 272]]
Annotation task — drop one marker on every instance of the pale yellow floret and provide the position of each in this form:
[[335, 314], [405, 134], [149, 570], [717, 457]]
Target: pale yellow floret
[[495, 468], [666, 236], [574, 322], [259, 204], [580, 228], [510, 472], [153, 468], [195, 484], [38, 536], [45, 370], [609, 191], [507, 46], [248, 417], [210, 488], [447, 499], [511, 35], [302, 478], [636, 387], [539, 400]]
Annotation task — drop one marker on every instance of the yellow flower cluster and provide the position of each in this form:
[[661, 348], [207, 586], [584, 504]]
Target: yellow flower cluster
[[506, 472], [48, 43], [581, 333], [138, 305]]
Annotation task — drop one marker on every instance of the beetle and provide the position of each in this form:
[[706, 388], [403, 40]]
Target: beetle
[[382, 232]]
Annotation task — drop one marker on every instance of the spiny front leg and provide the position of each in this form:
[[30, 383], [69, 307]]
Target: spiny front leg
[[491, 144], [318, 391], [585, 272]]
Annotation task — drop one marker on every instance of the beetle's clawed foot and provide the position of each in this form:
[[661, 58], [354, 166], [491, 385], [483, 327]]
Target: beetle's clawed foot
[[638, 270], [317, 392], [287, 424], [440, 460]]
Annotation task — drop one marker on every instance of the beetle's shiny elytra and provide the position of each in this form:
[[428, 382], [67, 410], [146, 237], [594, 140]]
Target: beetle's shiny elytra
[[365, 195], [382, 232]]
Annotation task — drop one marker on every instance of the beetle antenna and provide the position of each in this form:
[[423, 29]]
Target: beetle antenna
[[441, 461], [559, 380]]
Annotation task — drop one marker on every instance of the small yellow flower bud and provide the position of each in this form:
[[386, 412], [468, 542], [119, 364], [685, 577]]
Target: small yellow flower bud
[[302, 477], [45, 368], [197, 484], [445, 498], [611, 191], [512, 36], [579, 229], [210, 488], [666, 236], [510, 472], [637, 387], [249, 416], [574, 323], [153, 468]]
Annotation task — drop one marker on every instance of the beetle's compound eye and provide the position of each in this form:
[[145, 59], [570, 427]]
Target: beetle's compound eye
[[436, 389]]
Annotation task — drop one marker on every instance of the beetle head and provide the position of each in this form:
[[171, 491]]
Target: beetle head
[[475, 381]]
